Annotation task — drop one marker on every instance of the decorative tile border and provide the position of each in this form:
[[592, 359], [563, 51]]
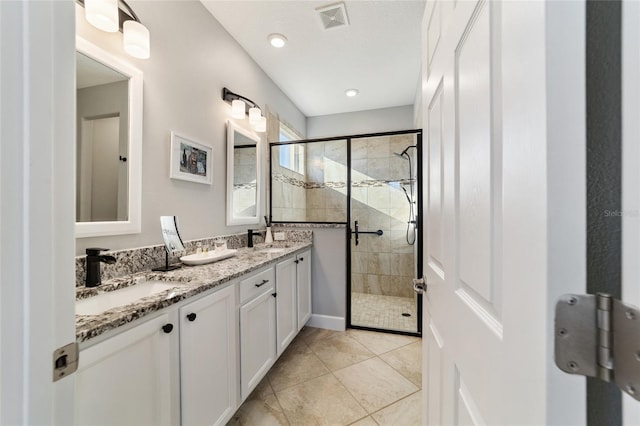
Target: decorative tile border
[[336, 185], [250, 185]]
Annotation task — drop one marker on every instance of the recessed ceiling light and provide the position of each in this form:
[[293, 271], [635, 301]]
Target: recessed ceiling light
[[351, 92], [277, 40]]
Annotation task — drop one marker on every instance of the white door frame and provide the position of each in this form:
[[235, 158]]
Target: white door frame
[[37, 170], [630, 173]]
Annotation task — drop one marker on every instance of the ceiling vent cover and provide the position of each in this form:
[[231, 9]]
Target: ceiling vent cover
[[333, 16]]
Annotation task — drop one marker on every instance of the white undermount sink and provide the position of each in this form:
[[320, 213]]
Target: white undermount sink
[[271, 250], [121, 297]]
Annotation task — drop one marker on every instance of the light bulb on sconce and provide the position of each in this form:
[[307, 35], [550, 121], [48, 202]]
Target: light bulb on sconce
[[261, 126], [238, 108], [254, 115], [104, 15], [136, 39]]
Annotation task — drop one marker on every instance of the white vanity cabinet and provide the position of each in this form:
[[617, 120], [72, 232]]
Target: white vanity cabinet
[[257, 329], [208, 359], [195, 362], [129, 378]]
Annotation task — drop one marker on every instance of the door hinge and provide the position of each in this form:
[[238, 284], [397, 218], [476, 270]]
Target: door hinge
[[65, 361], [599, 336]]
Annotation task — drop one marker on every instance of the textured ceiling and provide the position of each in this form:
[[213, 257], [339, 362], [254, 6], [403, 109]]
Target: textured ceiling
[[378, 53]]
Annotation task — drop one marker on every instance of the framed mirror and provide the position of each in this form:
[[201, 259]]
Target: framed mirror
[[243, 176], [108, 143]]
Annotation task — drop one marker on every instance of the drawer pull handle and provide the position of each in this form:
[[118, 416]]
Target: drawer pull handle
[[262, 283], [192, 316], [167, 328]]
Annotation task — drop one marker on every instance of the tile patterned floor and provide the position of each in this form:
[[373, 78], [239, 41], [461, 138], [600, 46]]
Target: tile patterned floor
[[326, 377], [379, 311]]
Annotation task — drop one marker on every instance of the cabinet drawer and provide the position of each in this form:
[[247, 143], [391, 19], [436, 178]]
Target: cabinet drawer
[[257, 284]]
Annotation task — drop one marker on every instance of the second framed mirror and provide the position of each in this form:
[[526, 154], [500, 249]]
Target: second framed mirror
[[243, 176]]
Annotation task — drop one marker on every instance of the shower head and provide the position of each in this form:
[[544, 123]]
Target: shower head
[[409, 147], [404, 153]]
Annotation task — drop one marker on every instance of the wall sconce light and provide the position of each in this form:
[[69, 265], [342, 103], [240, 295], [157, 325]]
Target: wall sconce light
[[241, 106], [109, 16]]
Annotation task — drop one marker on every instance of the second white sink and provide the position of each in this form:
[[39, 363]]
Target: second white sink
[[112, 299]]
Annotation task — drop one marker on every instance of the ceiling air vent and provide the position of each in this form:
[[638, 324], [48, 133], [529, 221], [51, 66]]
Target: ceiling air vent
[[333, 16]]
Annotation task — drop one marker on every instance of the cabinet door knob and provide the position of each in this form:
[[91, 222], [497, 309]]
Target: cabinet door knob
[[192, 316], [302, 259], [296, 261], [274, 294], [167, 328]]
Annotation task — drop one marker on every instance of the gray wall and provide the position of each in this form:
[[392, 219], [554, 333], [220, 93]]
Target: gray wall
[[192, 59], [353, 123], [329, 272]]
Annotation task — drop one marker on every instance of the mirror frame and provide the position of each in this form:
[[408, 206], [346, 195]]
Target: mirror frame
[[134, 196], [232, 128]]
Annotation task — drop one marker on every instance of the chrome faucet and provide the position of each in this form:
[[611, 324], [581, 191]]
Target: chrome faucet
[[94, 258]]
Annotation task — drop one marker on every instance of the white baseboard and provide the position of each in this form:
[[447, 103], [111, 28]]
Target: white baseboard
[[327, 321]]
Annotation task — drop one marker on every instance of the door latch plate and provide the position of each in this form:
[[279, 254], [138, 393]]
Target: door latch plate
[[65, 361]]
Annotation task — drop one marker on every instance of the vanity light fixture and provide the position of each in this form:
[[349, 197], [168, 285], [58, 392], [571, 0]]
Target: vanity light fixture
[[277, 40], [111, 15], [241, 106], [351, 92]]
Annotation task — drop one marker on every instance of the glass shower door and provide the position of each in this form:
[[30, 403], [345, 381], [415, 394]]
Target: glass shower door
[[383, 246]]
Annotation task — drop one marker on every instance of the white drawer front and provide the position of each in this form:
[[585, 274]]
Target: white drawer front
[[257, 284]]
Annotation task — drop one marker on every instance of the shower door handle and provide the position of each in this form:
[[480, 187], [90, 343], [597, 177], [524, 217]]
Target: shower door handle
[[357, 232], [420, 285]]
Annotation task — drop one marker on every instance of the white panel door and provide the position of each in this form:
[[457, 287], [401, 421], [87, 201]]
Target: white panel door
[[631, 173], [487, 323]]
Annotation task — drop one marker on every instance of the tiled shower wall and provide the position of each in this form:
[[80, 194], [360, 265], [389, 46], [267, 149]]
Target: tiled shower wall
[[244, 181], [382, 264], [327, 181], [289, 196]]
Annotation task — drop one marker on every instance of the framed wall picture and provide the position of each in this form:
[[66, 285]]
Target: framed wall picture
[[190, 160]]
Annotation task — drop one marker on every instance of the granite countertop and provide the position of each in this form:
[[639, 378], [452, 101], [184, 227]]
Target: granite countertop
[[191, 280]]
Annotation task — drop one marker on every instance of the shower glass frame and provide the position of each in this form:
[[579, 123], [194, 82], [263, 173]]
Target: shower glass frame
[[348, 222]]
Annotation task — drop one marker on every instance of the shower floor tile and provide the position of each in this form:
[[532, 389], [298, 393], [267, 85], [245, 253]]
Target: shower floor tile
[[384, 312]]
